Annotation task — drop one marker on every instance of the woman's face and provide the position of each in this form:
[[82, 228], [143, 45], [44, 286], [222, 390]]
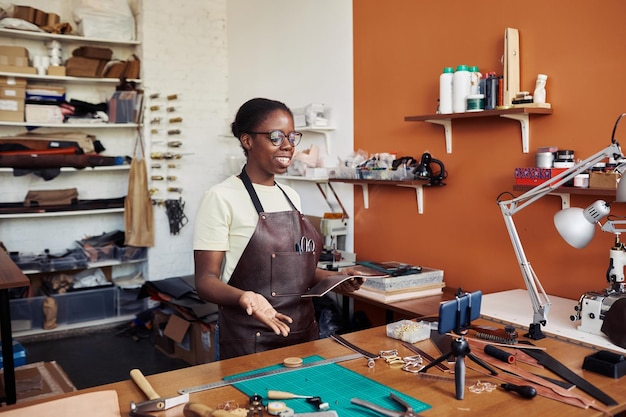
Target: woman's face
[[264, 158]]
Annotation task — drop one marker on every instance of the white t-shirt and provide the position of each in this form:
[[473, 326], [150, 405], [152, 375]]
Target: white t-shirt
[[226, 218]]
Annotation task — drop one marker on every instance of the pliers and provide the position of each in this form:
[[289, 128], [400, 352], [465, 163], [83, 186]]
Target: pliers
[[408, 410]]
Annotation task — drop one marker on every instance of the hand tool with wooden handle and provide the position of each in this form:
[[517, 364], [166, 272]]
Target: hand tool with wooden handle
[[155, 402], [284, 395]]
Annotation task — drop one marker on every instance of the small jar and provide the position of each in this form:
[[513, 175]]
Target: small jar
[[581, 180], [475, 102]]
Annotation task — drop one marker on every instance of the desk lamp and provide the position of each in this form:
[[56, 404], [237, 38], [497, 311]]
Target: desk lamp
[[592, 214]]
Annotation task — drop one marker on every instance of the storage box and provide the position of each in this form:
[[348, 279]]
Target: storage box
[[56, 71], [10, 50], [19, 355], [12, 93], [43, 113], [131, 253], [78, 66], [161, 341], [26, 313], [128, 303], [534, 175], [193, 341], [86, 305], [603, 180]]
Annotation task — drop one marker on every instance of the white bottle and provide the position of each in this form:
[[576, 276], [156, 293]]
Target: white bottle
[[445, 90], [539, 95], [461, 86]]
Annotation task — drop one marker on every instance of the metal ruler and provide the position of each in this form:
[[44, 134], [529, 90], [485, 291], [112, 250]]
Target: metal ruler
[[234, 380]]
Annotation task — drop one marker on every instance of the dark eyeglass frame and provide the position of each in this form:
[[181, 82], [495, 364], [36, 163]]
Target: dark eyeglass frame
[[277, 137]]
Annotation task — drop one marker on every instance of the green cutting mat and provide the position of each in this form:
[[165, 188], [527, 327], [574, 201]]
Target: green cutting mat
[[335, 384]]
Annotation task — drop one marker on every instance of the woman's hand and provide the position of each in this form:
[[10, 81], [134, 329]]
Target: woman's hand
[[258, 307], [351, 285]]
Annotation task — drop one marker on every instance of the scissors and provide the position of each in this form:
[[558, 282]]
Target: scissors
[[306, 245], [408, 411]]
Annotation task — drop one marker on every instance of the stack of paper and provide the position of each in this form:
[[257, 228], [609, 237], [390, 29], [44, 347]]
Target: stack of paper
[[387, 288]]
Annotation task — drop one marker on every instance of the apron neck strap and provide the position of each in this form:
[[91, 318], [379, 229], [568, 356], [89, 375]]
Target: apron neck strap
[[252, 192]]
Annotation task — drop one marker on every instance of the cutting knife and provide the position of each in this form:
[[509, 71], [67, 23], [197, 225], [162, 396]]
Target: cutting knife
[[155, 401]]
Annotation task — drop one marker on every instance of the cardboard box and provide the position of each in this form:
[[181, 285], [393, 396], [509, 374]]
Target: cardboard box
[[603, 180], [57, 71], [14, 61], [162, 342], [43, 113], [78, 66], [534, 175], [12, 93], [10, 50], [19, 70], [194, 341]]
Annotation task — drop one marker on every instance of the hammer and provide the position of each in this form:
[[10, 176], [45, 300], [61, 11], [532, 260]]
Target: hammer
[[155, 402]]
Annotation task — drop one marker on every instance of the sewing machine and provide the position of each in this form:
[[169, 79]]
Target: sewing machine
[[593, 305]]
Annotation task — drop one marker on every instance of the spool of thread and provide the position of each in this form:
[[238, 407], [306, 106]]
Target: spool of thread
[[493, 351]]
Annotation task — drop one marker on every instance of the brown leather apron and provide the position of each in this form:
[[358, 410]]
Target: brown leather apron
[[272, 266]]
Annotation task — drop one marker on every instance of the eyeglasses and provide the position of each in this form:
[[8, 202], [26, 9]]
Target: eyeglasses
[[278, 137]]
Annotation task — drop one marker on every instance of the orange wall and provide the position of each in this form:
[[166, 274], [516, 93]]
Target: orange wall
[[400, 48]]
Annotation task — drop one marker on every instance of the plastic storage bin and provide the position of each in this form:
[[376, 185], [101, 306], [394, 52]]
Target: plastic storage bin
[[26, 313], [131, 253], [127, 302], [86, 305]]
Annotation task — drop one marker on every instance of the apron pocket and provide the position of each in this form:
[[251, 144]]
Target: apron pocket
[[292, 273]]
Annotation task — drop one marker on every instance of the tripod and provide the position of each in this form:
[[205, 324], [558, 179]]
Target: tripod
[[459, 348]]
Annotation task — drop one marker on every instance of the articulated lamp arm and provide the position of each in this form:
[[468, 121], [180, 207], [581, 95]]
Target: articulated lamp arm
[[538, 297]]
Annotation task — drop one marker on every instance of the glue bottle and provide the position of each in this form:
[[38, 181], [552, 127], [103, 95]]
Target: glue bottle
[[461, 88], [539, 95], [445, 90]]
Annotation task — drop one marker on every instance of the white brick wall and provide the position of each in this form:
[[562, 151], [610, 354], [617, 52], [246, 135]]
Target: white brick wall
[[184, 53]]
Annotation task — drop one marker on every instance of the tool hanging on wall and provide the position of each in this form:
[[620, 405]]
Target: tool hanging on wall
[[176, 215]]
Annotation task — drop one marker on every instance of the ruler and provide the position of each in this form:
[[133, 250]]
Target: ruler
[[261, 374]]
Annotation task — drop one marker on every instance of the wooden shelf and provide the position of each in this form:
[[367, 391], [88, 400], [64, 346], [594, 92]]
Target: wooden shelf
[[65, 78], [26, 34], [415, 184], [62, 213], [521, 114], [565, 192]]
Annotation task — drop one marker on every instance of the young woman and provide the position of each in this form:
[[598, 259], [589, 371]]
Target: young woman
[[255, 253]]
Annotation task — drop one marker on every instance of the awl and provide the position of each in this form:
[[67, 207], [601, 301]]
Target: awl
[[155, 401]]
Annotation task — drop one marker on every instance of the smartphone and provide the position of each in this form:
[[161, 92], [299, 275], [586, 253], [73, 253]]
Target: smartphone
[[456, 315]]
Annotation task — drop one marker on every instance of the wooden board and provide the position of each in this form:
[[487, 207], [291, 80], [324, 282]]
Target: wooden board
[[511, 65]]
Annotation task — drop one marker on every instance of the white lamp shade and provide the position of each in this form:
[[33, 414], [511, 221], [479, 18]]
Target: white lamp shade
[[573, 227], [577, 226]]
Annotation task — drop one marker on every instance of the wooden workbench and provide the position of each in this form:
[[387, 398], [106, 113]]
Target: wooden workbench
[[439, 394]]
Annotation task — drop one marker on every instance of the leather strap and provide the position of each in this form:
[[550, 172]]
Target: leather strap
[[564, 372], [253, 195], [561, 392]]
